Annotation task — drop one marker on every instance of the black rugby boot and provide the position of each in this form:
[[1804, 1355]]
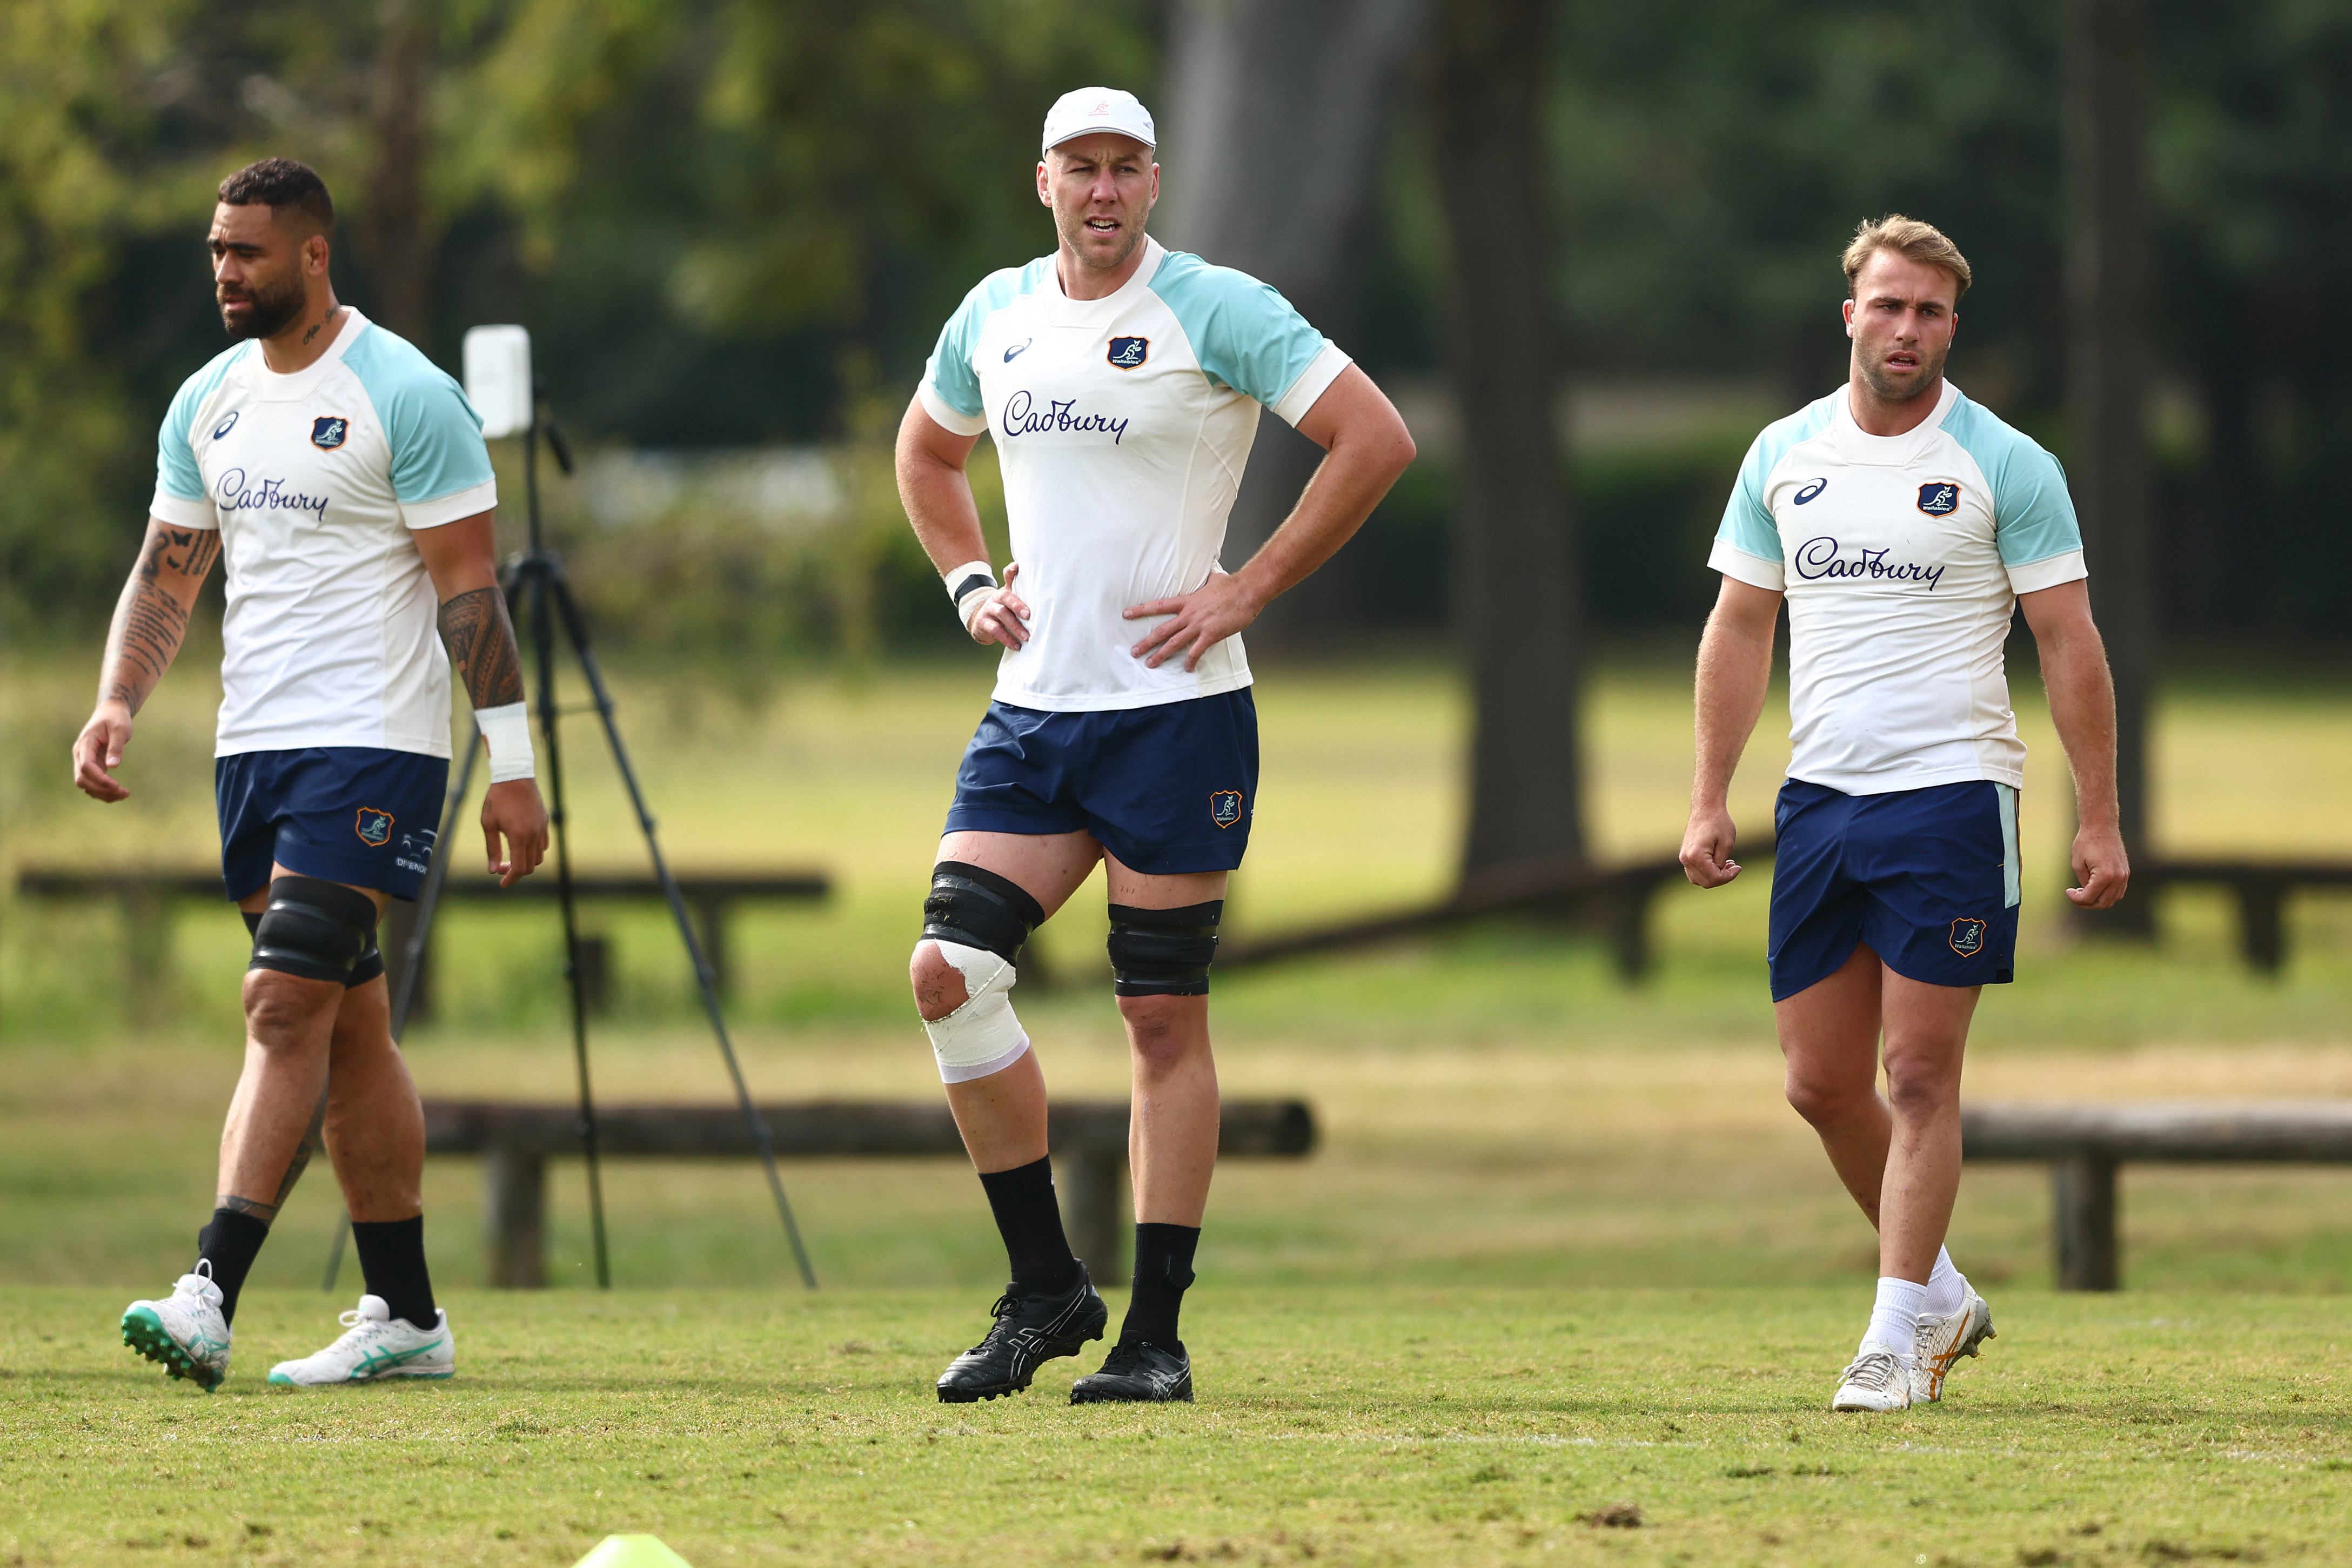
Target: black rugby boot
[[1141, 1373], [1030, 1330]]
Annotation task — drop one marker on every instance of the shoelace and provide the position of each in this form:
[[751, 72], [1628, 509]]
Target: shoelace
[[1123, 1359], [1873, 1369]]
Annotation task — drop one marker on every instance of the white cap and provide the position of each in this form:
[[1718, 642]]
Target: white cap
[[1092, 108]]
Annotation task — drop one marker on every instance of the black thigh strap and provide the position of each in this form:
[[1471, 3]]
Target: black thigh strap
[[369, 965], [314, 928], [977, 907], [1163, 953]]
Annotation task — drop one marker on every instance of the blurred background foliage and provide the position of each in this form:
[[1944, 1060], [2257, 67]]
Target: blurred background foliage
[[734, 227]]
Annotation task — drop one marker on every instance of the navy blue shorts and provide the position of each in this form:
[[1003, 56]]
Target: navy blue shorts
[[1928, 878], [355, 814], [1169, 789]]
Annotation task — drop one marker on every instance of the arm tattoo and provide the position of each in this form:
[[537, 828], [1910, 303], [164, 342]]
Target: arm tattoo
[[481, 643], [152, 619]]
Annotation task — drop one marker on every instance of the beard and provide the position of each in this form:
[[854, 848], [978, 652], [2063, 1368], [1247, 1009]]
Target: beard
[[273, 310], [1889, 390]]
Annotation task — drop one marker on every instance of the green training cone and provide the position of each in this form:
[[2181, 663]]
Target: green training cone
[[632, 1551]]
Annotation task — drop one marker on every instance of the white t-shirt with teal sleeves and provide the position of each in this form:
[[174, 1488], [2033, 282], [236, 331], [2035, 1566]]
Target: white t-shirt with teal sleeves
[[315, 481], [1902, 557], [1122, 426]]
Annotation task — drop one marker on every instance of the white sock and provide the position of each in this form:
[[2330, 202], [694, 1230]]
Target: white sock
[[1947, 1288], [1896, 1316]]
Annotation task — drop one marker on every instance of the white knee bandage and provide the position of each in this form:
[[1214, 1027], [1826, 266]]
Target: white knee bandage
[[982, 1037]]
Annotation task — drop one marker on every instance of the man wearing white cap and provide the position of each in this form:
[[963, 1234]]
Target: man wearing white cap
[[1122, 383]]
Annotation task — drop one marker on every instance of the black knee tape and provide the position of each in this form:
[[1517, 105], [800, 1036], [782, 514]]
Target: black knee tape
[[369, 965], [316, 929], [1163, 953], [978, 908]]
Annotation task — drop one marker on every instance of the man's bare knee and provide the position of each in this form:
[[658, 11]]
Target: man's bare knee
[[281, 1006], [1920, 1088], [1826, 1101], [1160, 1028], [939, 986]]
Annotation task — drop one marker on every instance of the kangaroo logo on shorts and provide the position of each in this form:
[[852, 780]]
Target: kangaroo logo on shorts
[[1967, 937], [1940, 499], [328, 431], [1128, 352], [373, 827], [1225, 807]]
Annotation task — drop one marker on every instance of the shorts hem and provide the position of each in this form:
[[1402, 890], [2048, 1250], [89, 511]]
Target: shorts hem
[[991, 819], [352, 870]]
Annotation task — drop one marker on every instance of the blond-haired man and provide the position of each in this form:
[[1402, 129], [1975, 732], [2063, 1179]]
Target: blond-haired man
[[1902, 523]]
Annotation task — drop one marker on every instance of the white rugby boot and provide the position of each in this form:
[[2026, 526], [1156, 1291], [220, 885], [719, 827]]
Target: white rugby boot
[[1941, 1339], [1878, 1381], [184, 1330], [374, 1345]]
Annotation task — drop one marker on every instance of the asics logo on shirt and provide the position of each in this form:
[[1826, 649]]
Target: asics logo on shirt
[[1017, 348], [1818, 558], [235, 494], [1021, 418], [226, 426], [1809, 491]]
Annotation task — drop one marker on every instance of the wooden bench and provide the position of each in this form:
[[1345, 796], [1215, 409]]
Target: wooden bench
[[1089, 1139], [2084, 1145], [146, 897], [2260, 888], [1616, 900]]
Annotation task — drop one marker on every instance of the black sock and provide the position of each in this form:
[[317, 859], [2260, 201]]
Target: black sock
[[1163, 1268], [1030, 1219], [230, 1244], [391, 1258]]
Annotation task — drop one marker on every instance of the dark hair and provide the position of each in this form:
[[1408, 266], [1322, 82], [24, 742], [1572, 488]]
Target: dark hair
[[280, 183]]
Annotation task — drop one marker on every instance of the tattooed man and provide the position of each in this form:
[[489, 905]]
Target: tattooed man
[[345, 480]]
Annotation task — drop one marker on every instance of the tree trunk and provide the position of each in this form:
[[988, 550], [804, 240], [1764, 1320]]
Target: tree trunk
[[398, 236], [2107, 291], [1271, 118], [1521, 603]]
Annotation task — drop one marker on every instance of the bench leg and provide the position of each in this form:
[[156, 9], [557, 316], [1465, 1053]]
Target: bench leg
[[1093, 1183], [2082, 1223], [1628, 930], [2261, 925], [514, 1214], [147, 956]]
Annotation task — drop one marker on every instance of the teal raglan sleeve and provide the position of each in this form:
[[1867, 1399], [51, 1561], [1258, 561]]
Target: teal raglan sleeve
[[440, 466], [1247, 336], [2034, 527], [951, 387], [180, 498], [2033, 520]]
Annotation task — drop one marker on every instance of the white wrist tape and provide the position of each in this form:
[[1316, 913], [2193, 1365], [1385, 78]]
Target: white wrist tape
[[507, 730], [968, 585]]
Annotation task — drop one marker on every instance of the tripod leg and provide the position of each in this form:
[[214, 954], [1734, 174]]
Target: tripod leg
[[535, 573], [575, 628]]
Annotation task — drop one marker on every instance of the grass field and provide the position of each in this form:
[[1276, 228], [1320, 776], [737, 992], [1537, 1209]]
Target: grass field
[[1336, 1426], [1562, 1245]]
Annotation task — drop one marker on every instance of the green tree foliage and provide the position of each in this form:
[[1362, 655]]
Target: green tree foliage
[[704, 209]]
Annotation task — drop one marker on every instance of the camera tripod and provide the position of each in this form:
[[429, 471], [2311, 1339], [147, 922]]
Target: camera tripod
[[539, 596]]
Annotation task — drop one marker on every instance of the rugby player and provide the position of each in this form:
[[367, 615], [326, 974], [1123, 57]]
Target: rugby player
[[1121, 384], [345, 481], [1902, 524]]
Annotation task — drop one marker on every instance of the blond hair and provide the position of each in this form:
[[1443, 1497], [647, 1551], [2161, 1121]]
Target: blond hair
[[1922, 242]]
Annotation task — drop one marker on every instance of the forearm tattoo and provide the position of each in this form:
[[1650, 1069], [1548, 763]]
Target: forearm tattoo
[[481, 644], [152, 621]]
